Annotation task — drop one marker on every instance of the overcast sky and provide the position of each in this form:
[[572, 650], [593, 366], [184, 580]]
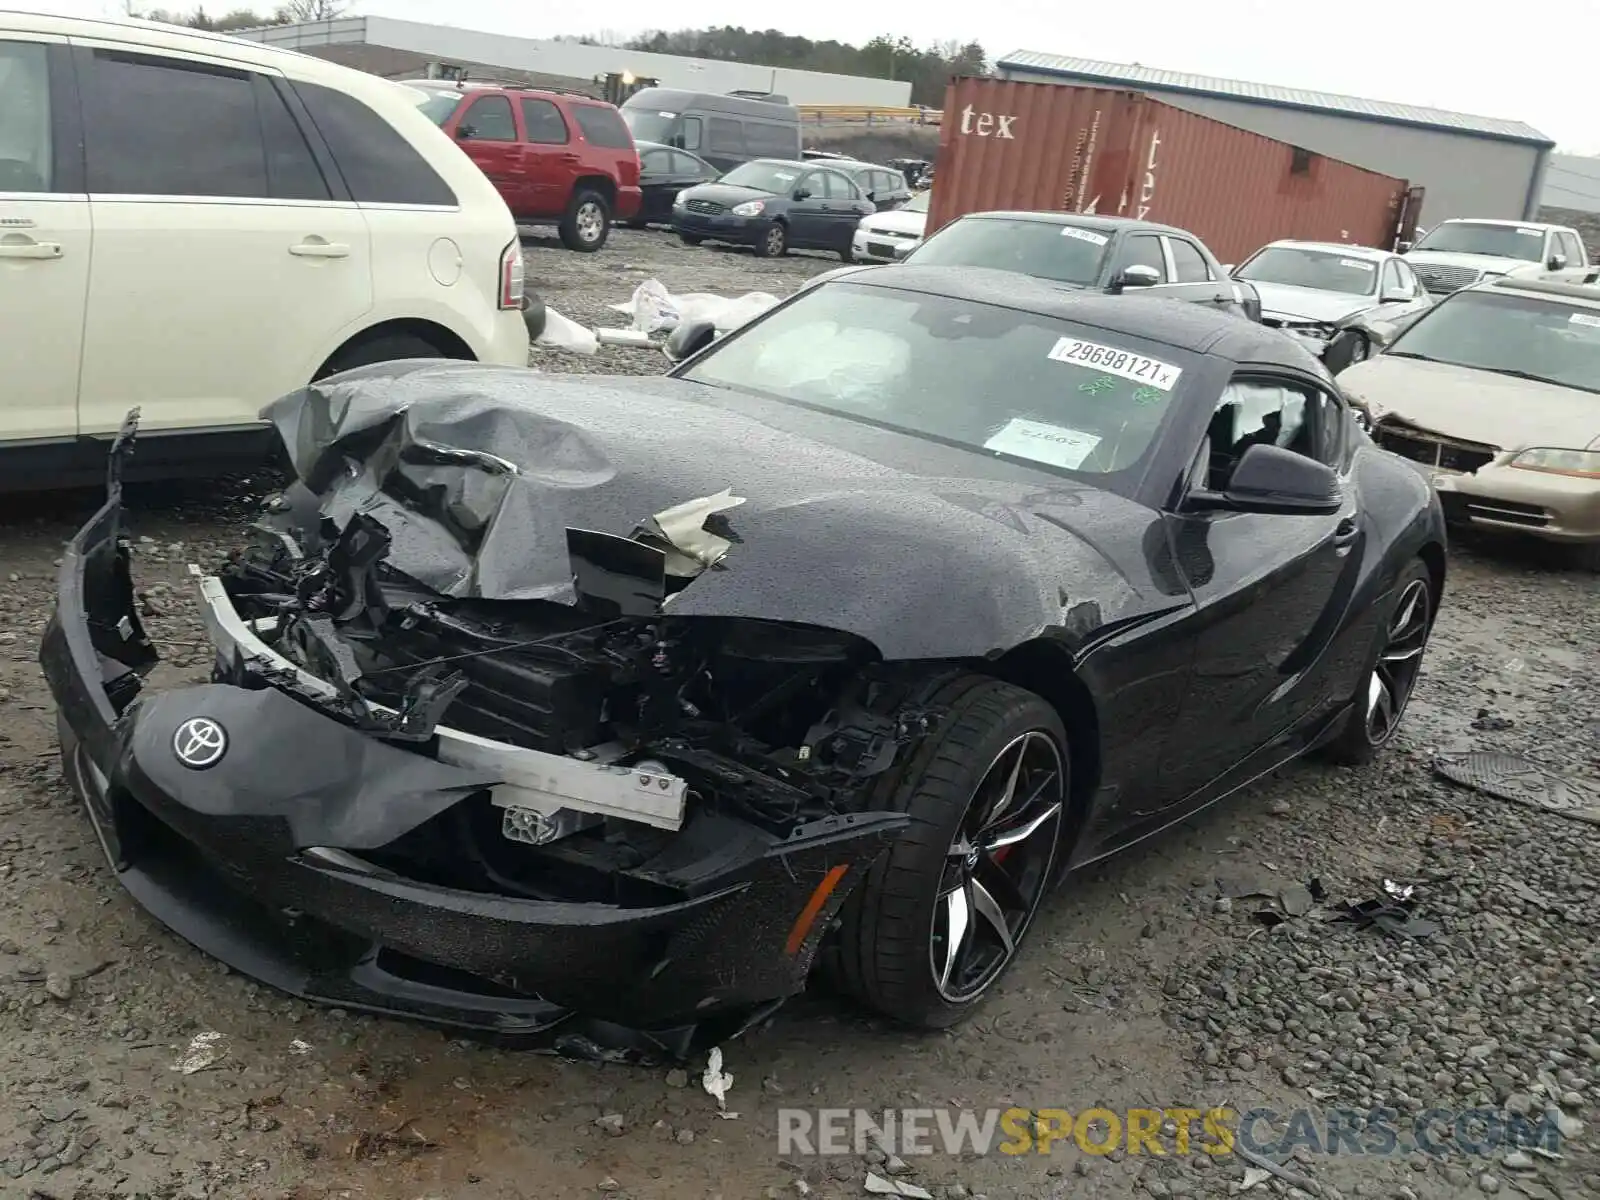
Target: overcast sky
[[1483, 60]]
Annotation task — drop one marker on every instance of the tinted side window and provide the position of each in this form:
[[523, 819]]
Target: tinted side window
[[845, 188], [379, 166], [602, 127], [725, 136], [1142, 250], [25, 155], [684, 164], [689, 138], [489, 119], [158, 126], [545, 124], [657, 162], [1189, 262], [769, 139], [292, 170]]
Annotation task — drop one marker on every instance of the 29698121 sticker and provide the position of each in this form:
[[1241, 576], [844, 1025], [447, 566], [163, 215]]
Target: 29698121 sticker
[[1137, 367]]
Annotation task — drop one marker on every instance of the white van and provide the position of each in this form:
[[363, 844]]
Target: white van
[[194, 224]]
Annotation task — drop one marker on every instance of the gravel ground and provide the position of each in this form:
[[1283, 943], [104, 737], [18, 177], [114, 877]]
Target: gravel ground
[[1150, 981]]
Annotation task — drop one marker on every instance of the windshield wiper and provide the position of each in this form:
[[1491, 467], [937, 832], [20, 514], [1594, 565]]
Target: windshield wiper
[[1411, 354], [1515, 374]]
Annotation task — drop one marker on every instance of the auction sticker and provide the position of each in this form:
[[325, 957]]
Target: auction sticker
[[1084, 235], [1053, 445], [1117, 362], [1359, 264]]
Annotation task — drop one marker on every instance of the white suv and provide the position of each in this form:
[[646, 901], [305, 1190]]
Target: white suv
[[195, 224]]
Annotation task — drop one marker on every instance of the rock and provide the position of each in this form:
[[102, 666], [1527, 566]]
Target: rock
[[1520, 1103], [896, 1165], [1517, 1160], [1280, 807], [677, 1078], [59, 985], [684, 1137], [1488, 1184], [1222, 905], [611, 1124], [609, 1184]]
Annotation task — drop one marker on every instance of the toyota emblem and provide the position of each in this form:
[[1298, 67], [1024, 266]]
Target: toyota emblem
[[200, 743]]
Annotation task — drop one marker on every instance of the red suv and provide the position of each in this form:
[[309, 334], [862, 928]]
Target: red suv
[[554, 156]]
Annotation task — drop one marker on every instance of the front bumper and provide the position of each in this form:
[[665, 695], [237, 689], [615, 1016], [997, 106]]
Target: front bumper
[[867, 246], [273, 863], [722, 227], [1555, 508]]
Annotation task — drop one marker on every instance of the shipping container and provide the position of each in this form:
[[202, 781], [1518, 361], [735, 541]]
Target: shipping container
[[1004, 144]]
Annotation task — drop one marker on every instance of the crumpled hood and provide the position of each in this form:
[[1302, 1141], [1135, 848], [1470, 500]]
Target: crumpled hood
[[478, 471], [1476, 406], [1308, 304], [897, 221]]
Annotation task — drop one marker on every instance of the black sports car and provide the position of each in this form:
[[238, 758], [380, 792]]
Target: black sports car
[[635, 698]]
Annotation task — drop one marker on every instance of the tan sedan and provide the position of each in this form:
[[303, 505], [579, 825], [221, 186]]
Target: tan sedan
[[1494, 394]]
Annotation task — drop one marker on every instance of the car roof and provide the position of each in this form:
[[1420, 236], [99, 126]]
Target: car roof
[[1349, 251], [1178, 323], [1553, 285], [1082, 220]]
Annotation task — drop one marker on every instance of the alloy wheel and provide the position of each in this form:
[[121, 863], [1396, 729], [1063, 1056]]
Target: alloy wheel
[[998, 866], [590, 221], [1359, 351], [1394, 675], [775, 240]]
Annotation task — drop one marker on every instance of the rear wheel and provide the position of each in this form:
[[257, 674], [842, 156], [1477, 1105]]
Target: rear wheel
[[938, 920], [587, 222], [847, 254], [1377, 709], [774, 242], [690, 239]]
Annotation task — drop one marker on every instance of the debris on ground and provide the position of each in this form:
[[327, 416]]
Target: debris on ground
[[1387, 914], [403, 1136], [205, 1051], [877, 1185], [1522, 781], [716, 1081], [653, 309]]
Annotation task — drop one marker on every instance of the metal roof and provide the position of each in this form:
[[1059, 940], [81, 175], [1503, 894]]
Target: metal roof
[[1132, 74]]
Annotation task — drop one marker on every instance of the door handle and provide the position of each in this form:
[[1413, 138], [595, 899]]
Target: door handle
[[1345, 532], [30, 249], [320, 249]]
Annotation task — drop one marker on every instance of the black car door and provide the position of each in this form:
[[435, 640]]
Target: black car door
[[808, 222], [1198, 277], [1142, 250], [1270, 590], [656, 185]]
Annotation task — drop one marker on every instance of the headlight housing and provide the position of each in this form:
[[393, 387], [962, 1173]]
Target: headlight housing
[[1585, 464], [750, 208], [677, 201]]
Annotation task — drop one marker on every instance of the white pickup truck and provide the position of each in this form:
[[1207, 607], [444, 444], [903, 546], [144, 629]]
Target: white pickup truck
[[1465, 250]]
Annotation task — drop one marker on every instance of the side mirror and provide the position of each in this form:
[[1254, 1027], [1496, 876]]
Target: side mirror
[[1136, 276], [873, 196], [1404, 247], [465, 133], [1395, 296], [1340, 350], [1270, 479], [689, 338], [1557, 262], [802, 194]]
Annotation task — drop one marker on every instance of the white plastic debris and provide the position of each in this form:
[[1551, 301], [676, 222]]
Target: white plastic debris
[[623, 337], [653, 309], [1254, 1177], [561, 333], [716, 1081], [205, 1050], [879, 1186], [299, 1047]]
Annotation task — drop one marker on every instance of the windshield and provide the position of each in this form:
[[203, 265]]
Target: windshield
[[1502, 241], [1000, 382], [648, 125], [917, 203], [1068, 253], [1323, 270], [777, 178], [1514, 335], [437, 105]]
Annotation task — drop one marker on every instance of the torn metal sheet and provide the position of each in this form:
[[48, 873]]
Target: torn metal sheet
[[1522, 781], [691, 546]]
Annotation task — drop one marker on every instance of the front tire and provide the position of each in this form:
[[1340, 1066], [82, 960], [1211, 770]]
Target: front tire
[[938, 920], [773, 242], [1386, 688], [690, 239], [587, 223]]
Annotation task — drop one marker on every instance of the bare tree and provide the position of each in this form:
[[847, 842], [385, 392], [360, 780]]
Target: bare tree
[[313, 10]]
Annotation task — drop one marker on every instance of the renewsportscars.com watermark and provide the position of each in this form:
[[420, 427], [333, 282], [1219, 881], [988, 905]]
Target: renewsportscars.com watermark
[[1162, 1131]]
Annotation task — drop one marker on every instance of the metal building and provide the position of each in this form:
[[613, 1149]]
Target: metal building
[[405, 49], [1471, 166]]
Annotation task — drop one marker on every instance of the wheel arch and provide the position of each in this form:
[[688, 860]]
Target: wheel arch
[[604, 184], [1432, 555], [1044, 668], [449, 343]]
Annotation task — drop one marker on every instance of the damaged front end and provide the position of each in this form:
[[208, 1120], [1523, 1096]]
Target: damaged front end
[[576, 820]]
